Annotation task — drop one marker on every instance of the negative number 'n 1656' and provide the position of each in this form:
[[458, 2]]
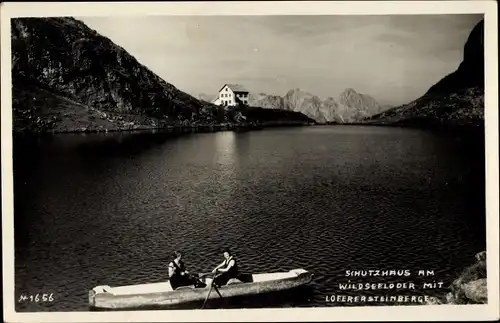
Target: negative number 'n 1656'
[[37, 298]]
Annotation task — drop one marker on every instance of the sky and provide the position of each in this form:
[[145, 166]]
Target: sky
[[393, 58]]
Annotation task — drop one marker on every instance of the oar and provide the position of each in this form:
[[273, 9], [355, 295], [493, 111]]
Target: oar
[[217, 290], [210, 290]]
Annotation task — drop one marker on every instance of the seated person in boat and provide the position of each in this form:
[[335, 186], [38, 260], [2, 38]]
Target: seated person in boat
[[228, 269], [178, 274]]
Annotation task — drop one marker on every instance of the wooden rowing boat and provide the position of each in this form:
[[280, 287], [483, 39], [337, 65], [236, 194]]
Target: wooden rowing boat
[[161, 294]]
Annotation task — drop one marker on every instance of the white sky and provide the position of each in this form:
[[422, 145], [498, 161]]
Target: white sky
[[394, 58]]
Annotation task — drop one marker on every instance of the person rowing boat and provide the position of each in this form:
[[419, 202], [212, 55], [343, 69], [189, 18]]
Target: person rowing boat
[[228, 269], [178, 274]]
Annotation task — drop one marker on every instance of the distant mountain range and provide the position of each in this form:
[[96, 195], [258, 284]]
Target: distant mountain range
[[67, 77], [456, 100], [349, 107]]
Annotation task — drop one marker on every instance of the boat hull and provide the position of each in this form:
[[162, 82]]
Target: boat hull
[[101, 299]]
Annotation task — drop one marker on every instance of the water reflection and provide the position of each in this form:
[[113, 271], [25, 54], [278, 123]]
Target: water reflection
[[225, 146]]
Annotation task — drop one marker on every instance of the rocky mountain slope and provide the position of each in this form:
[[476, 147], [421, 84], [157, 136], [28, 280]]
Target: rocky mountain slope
[[67, 77], [349, 107], [456, 100]]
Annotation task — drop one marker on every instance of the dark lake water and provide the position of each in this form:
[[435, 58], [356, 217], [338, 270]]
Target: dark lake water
[[110, 208]]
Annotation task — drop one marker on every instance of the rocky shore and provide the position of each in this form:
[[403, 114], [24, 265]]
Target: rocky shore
[[469, 288]]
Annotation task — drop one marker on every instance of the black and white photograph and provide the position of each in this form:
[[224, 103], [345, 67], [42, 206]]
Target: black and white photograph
[[161, 162]]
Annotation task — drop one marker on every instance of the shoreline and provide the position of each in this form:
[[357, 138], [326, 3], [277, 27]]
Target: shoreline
[[207, 128], [204, 128]]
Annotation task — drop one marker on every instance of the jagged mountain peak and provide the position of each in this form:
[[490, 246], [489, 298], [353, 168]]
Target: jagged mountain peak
[[349, 91]]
